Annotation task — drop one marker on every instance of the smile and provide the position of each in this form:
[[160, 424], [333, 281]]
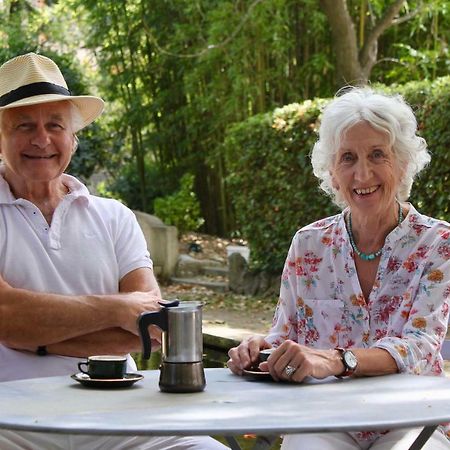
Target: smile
[[366, 191], [39, 157]]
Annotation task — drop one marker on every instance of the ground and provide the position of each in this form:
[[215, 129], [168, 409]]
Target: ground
[[204, 246], [225, 314]]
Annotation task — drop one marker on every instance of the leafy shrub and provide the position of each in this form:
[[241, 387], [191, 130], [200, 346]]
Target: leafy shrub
[[273, 189], [182, 208], [431, 191], [272, 186], [125, 185]]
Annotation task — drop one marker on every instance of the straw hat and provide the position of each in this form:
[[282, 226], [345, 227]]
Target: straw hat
[[32, 79]]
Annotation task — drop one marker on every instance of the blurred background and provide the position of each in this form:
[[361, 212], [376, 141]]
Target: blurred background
[[213, 105]]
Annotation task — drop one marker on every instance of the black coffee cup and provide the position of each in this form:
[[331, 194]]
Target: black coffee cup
[[265, 353], [104, 366]]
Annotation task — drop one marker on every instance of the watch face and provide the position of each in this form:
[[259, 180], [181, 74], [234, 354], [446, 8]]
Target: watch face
[[350, 360]]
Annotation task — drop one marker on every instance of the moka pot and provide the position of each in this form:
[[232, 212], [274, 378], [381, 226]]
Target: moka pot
[[181, 345]]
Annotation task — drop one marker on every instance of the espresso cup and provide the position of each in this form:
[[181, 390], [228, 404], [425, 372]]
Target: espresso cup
[[265, 353], [104, 366]]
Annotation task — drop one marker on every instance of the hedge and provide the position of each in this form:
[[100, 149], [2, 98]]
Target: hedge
[[271, 184]]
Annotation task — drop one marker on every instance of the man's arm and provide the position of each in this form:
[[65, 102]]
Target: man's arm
[[140, 280], [115, 341], [29, 319]]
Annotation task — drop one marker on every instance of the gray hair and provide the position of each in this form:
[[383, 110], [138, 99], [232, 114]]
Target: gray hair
[[389, 114]]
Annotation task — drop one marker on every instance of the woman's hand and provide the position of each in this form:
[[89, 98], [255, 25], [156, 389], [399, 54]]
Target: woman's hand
[[294, 362], [246, 354]]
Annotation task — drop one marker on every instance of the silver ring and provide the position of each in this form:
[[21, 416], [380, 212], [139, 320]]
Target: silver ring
[[289, 371]]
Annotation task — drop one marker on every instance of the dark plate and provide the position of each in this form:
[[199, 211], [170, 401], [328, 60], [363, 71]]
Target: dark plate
[[126, 381], [257, 375]]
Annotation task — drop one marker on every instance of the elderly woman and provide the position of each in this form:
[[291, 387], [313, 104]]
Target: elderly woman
[[365, 292]]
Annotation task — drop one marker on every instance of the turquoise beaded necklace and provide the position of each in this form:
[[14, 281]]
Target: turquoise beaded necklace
[[368, 256]]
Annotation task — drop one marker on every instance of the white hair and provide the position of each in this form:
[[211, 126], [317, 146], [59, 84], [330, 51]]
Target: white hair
[[389, 114]]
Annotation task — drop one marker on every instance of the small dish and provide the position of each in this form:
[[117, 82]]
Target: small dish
[[107, 383], [255, 374]]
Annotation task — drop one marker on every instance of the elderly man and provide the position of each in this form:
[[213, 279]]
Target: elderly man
[[75, 272]]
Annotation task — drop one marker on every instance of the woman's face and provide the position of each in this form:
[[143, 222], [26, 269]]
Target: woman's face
[[365, 170]]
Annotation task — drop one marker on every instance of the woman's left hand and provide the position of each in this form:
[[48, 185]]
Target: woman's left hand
[[294, 362]]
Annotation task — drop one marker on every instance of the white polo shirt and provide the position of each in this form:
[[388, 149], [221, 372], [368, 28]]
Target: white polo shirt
[[91, 244]]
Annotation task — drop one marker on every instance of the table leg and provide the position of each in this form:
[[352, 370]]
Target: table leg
[[423, 437], [233, 443], [264, 442]]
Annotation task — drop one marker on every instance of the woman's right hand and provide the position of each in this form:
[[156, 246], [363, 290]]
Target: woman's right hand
[[246, 354]]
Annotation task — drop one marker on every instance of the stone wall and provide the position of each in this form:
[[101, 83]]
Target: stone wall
[[244, 281], [162, 242]]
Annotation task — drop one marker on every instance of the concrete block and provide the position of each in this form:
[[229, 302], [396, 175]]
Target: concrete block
[[188, 266], [162, 242]]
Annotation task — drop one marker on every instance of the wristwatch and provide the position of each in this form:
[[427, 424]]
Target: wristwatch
[[349, 360], [41, 350]]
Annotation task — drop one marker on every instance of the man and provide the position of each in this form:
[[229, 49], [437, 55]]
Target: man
[[75, 272]]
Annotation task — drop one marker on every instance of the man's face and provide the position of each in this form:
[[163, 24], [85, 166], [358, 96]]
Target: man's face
[[36, 142]]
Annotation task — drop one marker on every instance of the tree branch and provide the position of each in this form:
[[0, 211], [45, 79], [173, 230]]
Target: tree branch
[[368, 53], [393, 60], [409, 16]]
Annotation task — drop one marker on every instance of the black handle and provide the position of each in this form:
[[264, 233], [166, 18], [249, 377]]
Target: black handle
[[170, 304], [158, 318]]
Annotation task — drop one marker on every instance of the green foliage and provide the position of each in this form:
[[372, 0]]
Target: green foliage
[[125, 185], [174, 107], [182, 208], [177, 73], [431, 192], [273, 189], [416, 49]]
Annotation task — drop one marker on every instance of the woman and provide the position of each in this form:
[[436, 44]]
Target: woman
[[365, 292]]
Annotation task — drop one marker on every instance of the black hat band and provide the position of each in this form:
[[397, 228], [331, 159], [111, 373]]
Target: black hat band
[[30, 90]]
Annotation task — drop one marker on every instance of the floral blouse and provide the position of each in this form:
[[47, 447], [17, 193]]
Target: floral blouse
[[321, 303]]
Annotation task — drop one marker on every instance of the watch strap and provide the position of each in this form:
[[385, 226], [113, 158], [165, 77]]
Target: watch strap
[[41, 350]]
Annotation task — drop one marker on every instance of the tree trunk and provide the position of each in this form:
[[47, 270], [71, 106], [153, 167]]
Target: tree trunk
[[348, 68], [353, 66]]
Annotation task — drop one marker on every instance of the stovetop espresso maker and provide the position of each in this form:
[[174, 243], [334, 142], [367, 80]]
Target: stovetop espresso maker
[[181, 347]]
